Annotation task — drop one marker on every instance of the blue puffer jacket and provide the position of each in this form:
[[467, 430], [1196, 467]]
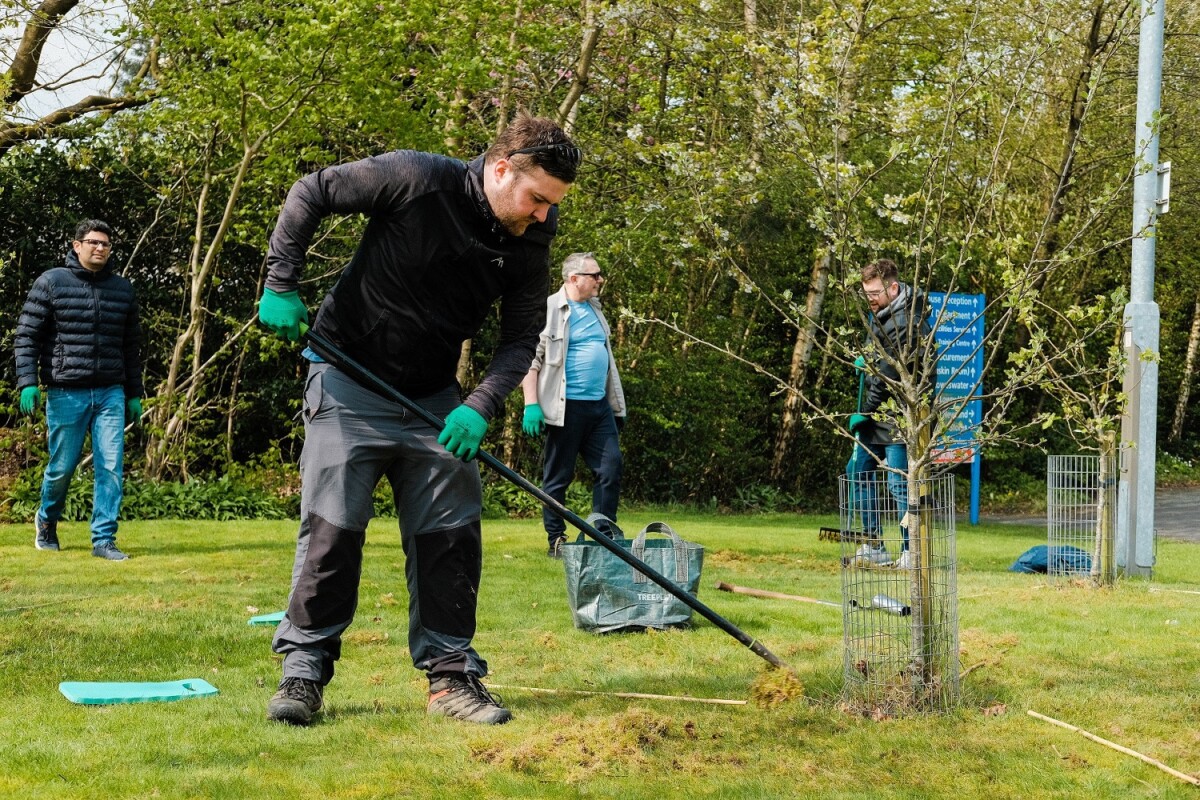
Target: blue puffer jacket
[[81, 328]]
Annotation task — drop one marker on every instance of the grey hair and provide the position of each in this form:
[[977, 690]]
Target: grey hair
[[576, 262]]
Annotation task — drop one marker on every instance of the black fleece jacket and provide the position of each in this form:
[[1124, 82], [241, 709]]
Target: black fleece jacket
[[900, 329], [432, 262], [81, 329]]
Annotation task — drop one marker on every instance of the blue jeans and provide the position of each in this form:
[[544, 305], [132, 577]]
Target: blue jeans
[[589, 429], [70, 415], [862, 467]]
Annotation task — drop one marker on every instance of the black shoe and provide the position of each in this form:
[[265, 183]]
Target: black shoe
[[555, 548], [108, 550], [46, 536], [295, 702], [463, 696]]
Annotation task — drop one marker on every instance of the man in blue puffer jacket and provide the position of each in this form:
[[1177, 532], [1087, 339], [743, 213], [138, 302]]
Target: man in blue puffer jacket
[[80, 330]]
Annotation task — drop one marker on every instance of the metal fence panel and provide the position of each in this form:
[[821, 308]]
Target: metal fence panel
[[1081, 515]]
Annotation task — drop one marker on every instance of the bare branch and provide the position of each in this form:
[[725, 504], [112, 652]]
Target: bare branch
[[13, 134], [22, 72]]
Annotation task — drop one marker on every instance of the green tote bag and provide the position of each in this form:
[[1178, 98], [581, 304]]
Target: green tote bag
[[606, 594]]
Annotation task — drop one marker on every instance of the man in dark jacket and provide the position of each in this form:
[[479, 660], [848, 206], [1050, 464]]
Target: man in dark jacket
[[443, 242], [80, 329], [899, 330]]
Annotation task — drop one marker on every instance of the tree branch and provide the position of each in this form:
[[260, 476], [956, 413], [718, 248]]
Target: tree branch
[[22, 72]]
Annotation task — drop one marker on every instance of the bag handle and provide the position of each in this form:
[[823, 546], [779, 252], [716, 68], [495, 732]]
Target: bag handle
[[678, 546], [610, 526]]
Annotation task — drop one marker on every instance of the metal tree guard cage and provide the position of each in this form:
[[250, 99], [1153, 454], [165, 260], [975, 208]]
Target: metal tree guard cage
[[1081, 517], [899, 592]]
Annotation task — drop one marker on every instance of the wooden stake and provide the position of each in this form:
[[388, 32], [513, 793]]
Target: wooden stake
[[1182, 776], [43, 605], [729, 587], [632, 695]]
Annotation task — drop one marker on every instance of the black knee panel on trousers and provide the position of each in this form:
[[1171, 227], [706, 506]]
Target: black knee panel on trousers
[[449, 563], [326, 591]]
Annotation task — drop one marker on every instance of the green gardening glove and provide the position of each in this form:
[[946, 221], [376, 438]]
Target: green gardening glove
[[860, 364], [133, 410], [464, 431], [534, 422], [31, 397], [282, 313], [857, 421]]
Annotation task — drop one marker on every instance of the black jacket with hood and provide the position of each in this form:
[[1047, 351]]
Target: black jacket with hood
[[81, 329], [901, 330], [432, 262]]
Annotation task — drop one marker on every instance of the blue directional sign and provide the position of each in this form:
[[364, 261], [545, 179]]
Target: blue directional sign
[[958, 330]]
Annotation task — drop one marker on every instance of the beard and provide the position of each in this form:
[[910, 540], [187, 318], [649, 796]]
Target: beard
[[505, 210], [515, 225]]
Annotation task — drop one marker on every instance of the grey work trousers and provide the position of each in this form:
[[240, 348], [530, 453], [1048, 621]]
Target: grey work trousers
[[352, 438]]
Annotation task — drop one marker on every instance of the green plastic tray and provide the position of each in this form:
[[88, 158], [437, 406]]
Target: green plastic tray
[[274, 618]]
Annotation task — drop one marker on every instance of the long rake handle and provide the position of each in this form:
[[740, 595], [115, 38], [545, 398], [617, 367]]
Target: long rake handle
[[349, 365]]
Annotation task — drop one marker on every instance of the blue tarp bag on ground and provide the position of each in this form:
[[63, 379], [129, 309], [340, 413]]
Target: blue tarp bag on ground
[[1066, 559]]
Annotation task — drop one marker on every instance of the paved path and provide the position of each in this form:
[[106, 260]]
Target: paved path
[[1176, 515]]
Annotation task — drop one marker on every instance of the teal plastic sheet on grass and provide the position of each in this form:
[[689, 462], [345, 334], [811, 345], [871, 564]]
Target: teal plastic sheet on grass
[[99, 693]]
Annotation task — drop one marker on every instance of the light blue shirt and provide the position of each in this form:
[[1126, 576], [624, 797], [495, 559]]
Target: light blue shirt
[[587, 355]]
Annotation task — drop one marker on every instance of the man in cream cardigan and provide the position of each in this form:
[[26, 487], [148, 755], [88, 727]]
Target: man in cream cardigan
[[573, 394]]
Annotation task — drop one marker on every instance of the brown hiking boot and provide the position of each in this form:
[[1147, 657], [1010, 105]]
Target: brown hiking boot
[[296, 701], [463, 696]]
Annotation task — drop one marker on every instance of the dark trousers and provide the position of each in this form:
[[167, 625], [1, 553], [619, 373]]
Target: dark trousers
[[589, 429], [353, 438]]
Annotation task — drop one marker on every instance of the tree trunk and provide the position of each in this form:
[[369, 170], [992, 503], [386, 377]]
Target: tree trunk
[[750, 21], [506, 84], [463, 372], [231, 412], [1102, 555], [168, 419], [802, 350], [1185, 382], [1080, 101], [1056, 207], [569, 107], [20, 76], [849, 79]]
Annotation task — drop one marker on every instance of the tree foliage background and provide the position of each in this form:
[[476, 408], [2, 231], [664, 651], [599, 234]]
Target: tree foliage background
[[743, 159]]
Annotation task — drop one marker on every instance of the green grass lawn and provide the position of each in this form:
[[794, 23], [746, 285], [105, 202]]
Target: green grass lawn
[[1123, 663]]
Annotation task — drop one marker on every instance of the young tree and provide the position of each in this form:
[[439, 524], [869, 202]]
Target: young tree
[[961, 180]]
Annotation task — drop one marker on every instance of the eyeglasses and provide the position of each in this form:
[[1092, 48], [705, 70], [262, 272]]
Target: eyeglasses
[[598, 275], [875, 294], [99, 244], [567, 152]]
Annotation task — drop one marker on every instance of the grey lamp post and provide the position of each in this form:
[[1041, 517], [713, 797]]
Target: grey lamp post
[[1135, 540]]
